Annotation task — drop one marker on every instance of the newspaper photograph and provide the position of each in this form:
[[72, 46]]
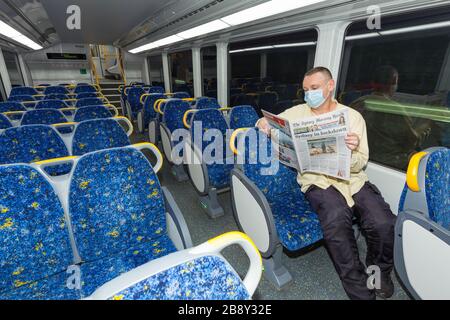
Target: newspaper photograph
[[315, 144]]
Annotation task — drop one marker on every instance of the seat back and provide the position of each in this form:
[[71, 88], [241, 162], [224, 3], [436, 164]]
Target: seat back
[[91, 112], [115, 203], [89, 102], [19, 91], [56, 90], [4, 122], [206, 103], [32, 143], [209, 119], [87, 95], [149, 103], [85, 89], [134, 98], [243, 117], [181, 95], [156, 89], [11, 106], [51, 104], [98, 134], [43, 116], [34, 239], [174, 111], [433, 179], [56, 96], [21, 98]]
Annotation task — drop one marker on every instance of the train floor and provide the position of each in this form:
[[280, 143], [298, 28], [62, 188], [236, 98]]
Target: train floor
[[314, 277]]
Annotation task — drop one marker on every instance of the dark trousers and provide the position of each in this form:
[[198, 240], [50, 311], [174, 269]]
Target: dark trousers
[[377, 224]]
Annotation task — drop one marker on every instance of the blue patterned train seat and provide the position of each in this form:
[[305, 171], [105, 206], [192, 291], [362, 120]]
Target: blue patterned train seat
[[89, 102], [84, 89], [11, 106], [4, 122], [156, 89], [43, 116], [51, 104], [56, 96], [87, 95], [148, 109], [35, 250], [134, 99], [204, 278], [56, 90], [243, 117], [98, 134], [296, 223], [92, 112], [19, 91], [117, 210], [206, 103], [218, 173], [21, 98], [437, 188], [174, 110]]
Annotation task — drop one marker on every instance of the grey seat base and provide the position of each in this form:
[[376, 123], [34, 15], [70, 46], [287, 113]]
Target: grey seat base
[[211, 205], [275, 272]]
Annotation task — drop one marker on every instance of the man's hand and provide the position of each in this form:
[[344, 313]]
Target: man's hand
[[264, 126], [352, 141]]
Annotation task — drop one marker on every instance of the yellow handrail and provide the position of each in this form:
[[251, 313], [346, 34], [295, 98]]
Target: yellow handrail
[[233, 139], [185, 117], [412, 175]]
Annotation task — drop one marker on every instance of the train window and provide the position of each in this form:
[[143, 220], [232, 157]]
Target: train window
[[181, 71], [209, 71], [267, 72], [156, 70], [399, 79], [12, 65]]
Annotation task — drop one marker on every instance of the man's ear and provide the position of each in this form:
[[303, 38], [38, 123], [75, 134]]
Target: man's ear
[[331, 85]]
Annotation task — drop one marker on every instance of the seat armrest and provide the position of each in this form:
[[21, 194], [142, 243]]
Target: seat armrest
[[179, 231]]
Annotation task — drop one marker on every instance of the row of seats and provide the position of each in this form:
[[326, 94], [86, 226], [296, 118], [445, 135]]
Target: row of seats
[[108, 230], [46, 90]]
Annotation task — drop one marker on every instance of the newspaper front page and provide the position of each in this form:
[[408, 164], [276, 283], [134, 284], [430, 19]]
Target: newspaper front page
[[315, 144]]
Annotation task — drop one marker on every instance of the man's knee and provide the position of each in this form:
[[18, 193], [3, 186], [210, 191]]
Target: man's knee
[[337, 221]]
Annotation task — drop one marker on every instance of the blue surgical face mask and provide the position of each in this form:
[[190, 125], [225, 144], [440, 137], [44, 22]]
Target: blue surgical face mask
[[314, 98]]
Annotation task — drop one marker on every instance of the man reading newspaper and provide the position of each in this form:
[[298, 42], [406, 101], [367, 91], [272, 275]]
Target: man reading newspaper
[[337, 200]]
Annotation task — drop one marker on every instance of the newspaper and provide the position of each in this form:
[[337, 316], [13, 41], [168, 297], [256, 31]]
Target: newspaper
[[315, 144]]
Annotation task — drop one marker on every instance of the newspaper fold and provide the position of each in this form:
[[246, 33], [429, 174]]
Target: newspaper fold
[[315, 144]]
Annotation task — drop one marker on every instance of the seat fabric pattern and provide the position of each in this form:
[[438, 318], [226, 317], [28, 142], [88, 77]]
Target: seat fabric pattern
[[159, 90], [89, 102], [134, 99], [98, 134], [174, 111], [296, 223], [4, 122], [84, 89], [28, 144], [19, 91], [218, 173], [115, 203], [149, 111], [35, 241], [437, 184], [92, 112], [243, 117], [87, 95], [11, 106], [181, 95], [56, 96], [205, 278], [207, 103], [21, 98], [56, 90], [51, 104], [43, 116]]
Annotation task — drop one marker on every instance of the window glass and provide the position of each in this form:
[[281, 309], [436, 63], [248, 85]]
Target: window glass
[[399, 80], [156, 71], [209, 71], [181, 71], [12, 65], [267, 73]]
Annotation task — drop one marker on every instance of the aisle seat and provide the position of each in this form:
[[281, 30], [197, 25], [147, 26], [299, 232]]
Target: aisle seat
[[243, 117]]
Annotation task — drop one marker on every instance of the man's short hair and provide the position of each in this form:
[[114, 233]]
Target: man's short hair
[[325, 71]]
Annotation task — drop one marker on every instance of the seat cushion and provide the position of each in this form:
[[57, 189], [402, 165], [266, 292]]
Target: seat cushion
[[296, 223], [205, 278], [97, 273], [219, 175], [50, 288]]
